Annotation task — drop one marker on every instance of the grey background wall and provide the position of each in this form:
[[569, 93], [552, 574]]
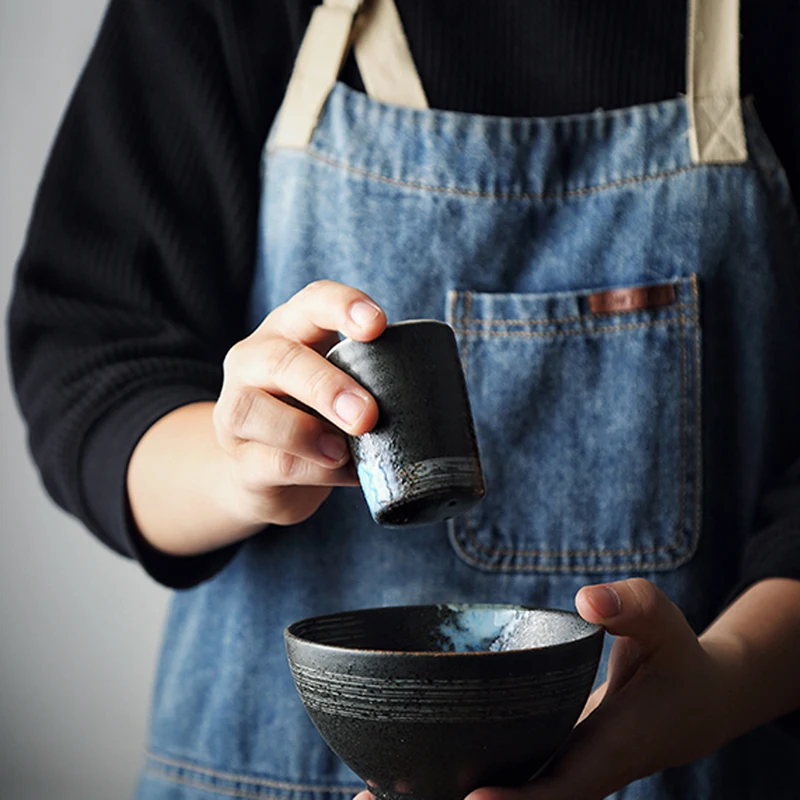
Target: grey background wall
[[79, 626]]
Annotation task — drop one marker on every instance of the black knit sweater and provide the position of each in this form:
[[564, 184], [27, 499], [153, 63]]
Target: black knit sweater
[[134, 278]]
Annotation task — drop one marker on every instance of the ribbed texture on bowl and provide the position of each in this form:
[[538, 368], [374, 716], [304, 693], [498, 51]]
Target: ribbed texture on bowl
[[475, 700]]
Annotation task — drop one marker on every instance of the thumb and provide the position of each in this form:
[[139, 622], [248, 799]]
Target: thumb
[[618, 742], [635, 608]]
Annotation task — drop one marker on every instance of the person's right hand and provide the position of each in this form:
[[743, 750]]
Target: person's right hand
[[283, 459], [270, 449]]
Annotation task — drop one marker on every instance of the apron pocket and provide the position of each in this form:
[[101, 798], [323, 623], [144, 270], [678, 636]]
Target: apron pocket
[[587, 411]]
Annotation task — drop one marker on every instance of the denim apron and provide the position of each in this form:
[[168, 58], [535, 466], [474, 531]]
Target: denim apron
[[625, 288]]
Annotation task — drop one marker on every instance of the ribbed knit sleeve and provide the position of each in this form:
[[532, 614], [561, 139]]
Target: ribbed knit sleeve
[[134, 279]]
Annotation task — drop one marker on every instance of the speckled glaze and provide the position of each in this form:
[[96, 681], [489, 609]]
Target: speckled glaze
[[420, 464], [431, 702]]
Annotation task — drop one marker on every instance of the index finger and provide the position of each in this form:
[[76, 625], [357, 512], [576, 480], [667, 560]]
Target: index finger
[[324, 307]]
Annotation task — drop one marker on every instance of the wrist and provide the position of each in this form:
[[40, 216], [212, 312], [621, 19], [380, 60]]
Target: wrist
[[181, 487], [754, 647], [730, 675]]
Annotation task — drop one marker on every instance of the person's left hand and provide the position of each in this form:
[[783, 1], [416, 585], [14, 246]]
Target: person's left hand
[[663, 705]]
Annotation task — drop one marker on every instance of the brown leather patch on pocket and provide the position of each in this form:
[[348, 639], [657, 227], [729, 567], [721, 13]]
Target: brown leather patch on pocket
[[636, 298]]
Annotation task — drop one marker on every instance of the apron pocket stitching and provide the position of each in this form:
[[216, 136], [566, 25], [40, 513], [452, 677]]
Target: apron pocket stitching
[[568, 568], [679, 541], [698, 418], [679, 535], [485, 323], [579, 332], [466, 317]]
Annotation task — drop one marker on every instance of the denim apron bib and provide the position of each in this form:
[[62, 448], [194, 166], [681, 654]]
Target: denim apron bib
[[625, 288]]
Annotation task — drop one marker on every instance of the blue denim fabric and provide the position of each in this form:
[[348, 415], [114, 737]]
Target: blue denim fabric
[[614, 444]]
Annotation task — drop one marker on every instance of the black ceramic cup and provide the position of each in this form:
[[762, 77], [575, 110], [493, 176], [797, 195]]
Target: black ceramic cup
[[420, 463]]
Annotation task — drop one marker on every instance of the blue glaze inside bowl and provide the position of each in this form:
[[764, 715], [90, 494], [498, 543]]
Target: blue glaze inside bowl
[[474, 629]]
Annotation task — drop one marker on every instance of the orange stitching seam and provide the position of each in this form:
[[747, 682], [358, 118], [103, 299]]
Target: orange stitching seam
[[684, 433], [234, 777], [208, 787], [579, 332], [554, 320], [698, 417], [507, 195], [566, 568], [464, 343]]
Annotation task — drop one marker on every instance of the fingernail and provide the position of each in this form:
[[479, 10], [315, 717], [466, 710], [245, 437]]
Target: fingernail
[[332, 446], [349, 407], [605, 600], [363, 313]]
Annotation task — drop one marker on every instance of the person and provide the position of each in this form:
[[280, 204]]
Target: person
[[618, 259]]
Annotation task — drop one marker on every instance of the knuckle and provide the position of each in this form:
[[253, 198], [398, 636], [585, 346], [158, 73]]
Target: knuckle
[[268, 323], [322, 383], [236, 412], [287, 465], [234, 358], [311, 292], [282, 355], [220, 423], [646, 596], [315, 287], [299, 430]]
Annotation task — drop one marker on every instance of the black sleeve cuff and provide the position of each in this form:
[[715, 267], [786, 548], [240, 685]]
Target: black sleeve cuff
[[103, 479], [773, 553]]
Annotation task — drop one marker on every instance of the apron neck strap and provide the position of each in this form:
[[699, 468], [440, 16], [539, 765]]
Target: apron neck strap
[[716, 129], [384, 61], [384, 58]]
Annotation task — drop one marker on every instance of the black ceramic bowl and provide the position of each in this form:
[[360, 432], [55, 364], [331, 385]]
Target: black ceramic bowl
[[434, 701]]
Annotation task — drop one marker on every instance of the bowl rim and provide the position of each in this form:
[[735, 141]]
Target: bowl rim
[[289, 634]]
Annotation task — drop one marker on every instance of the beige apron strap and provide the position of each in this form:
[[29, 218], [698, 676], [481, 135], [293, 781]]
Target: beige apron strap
[[716, 133], [716, 129], [324, 47], [384, 58]]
